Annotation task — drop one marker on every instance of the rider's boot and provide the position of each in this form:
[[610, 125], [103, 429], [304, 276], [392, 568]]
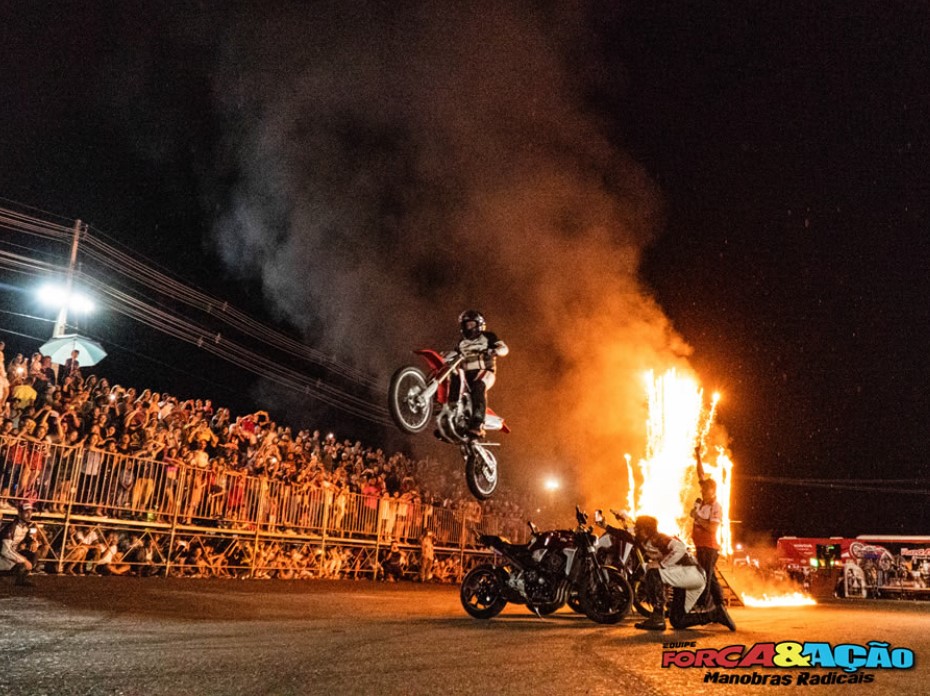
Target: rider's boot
[[722, 616], [718, 615], [476, 429], [656, 622]]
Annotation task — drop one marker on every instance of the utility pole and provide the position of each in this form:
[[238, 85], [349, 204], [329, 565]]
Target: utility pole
[[59, 329]]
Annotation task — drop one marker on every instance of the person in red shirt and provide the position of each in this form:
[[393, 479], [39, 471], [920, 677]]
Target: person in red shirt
[[707, 514]]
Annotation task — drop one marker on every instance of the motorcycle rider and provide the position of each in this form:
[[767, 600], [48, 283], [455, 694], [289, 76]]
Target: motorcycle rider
[[12, 535], [480, 349], [671, 564]]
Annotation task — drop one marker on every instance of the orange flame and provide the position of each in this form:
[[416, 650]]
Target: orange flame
[[664, 483], [790, 599], [677, 423]]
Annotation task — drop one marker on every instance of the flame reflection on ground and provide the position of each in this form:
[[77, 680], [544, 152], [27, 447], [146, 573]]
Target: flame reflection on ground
[[793, 599]]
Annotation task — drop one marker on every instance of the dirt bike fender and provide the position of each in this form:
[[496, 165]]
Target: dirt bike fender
[[433, 358], [436, 363], [495, 422]]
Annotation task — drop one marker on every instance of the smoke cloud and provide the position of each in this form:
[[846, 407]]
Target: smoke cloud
[[395, 163]]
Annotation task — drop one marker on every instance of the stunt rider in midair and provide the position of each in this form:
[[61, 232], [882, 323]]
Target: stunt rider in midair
[[480, 349]]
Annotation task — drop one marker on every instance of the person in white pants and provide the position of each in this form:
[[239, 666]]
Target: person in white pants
[[669, 563]]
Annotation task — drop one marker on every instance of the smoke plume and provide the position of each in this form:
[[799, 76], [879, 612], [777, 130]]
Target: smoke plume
[[395, 163]]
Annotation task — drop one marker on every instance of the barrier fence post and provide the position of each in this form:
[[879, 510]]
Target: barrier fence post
[[325, 526], [72, 490], [255, 546], [179, 490], [462, 542]]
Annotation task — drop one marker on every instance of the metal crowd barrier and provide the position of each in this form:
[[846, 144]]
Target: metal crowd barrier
[[256, 526]]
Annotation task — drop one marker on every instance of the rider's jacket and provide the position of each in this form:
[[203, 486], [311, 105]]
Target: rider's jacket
[[476, 350], [11, 536], [668, 551]]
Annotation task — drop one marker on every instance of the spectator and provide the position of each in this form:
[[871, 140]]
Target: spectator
[[394, 563], [71, 368], [44, 378], [427, 556], [24, 394], [110, 561], [199, 463], [18, 370], [4, 379], [81, 550]]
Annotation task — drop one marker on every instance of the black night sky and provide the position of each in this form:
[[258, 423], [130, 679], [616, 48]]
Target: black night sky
[[769, 165]]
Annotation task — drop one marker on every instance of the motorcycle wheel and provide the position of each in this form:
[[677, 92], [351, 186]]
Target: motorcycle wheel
[[640, 599], [482, 592], [410, 411], [607, 601], [574, 603], [480, 471]]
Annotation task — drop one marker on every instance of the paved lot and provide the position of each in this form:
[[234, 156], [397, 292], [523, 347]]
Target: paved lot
[[155, 636]]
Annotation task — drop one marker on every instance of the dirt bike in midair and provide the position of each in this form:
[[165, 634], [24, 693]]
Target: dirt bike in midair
[[415, 397]]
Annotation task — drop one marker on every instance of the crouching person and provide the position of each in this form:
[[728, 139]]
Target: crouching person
[[14, 560], [670, 564]]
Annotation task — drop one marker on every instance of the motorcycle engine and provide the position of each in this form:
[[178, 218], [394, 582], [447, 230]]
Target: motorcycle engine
[[553, 563], [540, 583]]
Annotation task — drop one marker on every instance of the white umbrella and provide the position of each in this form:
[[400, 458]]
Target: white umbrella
[[59, 349]]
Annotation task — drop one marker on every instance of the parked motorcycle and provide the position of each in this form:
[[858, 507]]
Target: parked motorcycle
[[543, 574], [618, 547], [415, 396]]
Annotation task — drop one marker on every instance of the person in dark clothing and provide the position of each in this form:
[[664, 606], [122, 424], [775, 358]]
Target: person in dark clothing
[[71, 367], [393, 564]]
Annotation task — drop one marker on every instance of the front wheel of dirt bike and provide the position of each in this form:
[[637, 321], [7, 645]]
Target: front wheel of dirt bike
[[607, 600], [410, 410], [482, 592], [480, 470]]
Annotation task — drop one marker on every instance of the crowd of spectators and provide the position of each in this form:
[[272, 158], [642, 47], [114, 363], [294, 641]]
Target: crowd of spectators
[[92, 416]]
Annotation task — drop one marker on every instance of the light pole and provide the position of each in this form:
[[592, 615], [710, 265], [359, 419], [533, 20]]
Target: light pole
[[60, 323]]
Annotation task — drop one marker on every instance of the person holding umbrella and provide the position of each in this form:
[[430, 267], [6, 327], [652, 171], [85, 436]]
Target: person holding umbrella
[[71, 367]]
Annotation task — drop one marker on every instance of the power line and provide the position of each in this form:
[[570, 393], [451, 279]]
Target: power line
[[130, 267], [168, 321], [867, 485]]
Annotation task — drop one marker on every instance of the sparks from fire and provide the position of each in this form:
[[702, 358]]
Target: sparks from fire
[[664, 483]]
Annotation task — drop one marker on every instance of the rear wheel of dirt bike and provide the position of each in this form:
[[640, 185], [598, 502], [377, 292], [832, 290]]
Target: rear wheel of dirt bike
[[480, 470], [409, 409], [608, 599], [482, 592]]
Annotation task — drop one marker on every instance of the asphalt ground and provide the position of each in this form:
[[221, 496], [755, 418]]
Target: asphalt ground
[[98, 635]]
